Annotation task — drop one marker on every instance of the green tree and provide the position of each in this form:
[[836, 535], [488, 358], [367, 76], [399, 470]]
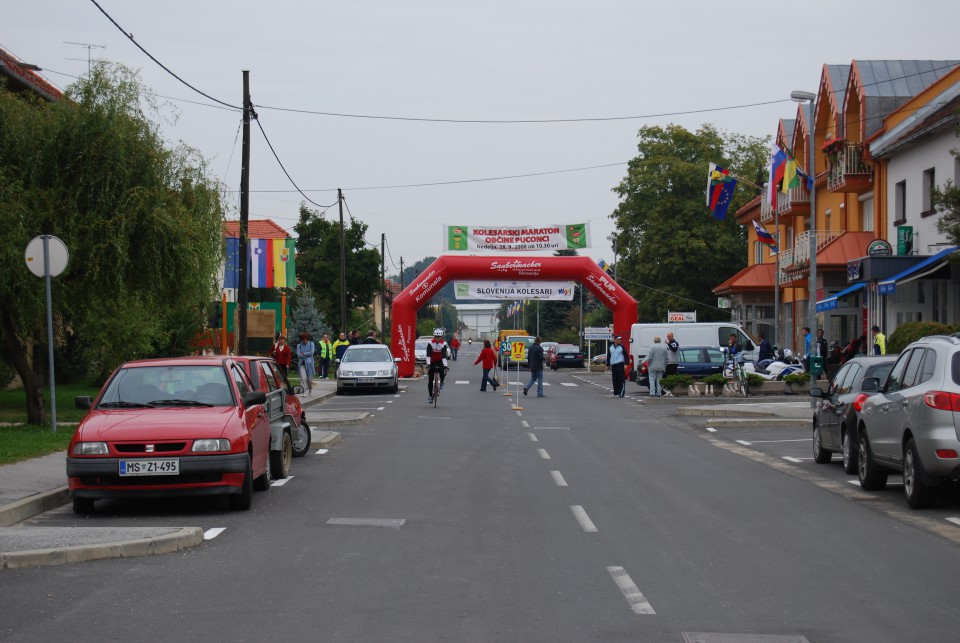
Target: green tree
[[141, 220], [672, 251], [318, 263], [946, 200], [305, 318]]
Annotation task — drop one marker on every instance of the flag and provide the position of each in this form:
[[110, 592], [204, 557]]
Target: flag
[[258, 263], [720, 187], [778, 162], [604, 266], [231, 268], [791, 175], [764, 237], [283, 257]]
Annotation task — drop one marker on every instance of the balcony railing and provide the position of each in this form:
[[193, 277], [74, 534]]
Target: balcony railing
[[801, 244], [796, 201], [766, 210], [848, 170]]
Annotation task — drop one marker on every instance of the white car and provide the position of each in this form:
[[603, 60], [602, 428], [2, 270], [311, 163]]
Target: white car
[[420, 350], [367, 367]]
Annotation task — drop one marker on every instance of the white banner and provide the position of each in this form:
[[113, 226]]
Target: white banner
[[543, 290], [552, 236]]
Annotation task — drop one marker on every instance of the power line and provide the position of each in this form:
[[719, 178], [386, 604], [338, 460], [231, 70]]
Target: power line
[[289, 178]]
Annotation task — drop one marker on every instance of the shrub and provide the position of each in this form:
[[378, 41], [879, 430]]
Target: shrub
[[754, 380], [717, 379], [911, 332], [797, 378], [670, 381]]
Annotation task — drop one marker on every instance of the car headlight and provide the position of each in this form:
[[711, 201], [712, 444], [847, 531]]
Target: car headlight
[[345, 373], [386, 373], [90, 448], [206, 446]]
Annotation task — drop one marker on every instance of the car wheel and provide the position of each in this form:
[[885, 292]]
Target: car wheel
[[820, 455], [871, 476], [244, 500], [918, 494], [339, 391], [849, 452], [263, 482], [83, 506], [280, 460], [302, 444]]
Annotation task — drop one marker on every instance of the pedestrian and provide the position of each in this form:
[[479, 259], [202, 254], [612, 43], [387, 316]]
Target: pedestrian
[[280, 353], [822, 348], [656, 365], [354, 336], [879, 342], [371, 337], [673, 355], [733, 346], [455, 346], [339, 347], [324, 355], [535, 360], [305, 353], [766, 351], [489, 359], [851, 350], [616, 359], [807, 347]]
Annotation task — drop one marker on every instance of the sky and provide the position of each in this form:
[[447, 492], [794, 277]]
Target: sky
[[533, 60]]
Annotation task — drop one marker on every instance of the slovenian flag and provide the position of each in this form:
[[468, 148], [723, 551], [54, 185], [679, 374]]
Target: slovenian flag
[[764, 237], [259, 274], [778, 164], [720, 187]]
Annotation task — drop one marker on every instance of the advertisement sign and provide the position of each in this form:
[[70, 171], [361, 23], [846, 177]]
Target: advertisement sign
[[464, 238], [518, 351], [904, 240], [879, 248], [681, 318], [543, 290]]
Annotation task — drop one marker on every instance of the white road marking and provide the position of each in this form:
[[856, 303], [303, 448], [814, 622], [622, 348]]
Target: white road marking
[[462, 382], [770, 441], [638, 603], [744, 443], [525, 424], [558, 479], [955, 521], [519, 414], [533, 438], [212, 533], [551, 428], [568, 384], [543, 454], [711, 429], [322, 451], [790, 459], [281, 481], [583, 519], [433, 417]]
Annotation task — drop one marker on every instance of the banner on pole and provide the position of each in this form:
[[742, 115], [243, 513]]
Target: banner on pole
[[487, 290], [461, 238]]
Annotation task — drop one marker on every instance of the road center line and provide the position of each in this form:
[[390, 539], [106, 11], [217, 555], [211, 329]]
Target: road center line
[[955, 521], [533, 438], [543, 454], [212, 533], [638, 603], [583, 519], [558, 479], [525, 424]]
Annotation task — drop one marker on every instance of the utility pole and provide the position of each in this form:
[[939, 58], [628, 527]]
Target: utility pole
[[343, 267], [244, 252], [383, 285], [401, 274]]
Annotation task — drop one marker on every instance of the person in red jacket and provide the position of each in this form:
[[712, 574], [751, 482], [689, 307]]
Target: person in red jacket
[[454, 346], [489, 358], [281, 354]]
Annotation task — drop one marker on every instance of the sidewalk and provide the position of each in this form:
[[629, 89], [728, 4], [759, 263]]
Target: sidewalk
[[34, 486]]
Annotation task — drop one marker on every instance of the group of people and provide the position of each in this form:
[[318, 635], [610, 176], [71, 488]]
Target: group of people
[[314, 359], [662, 360]]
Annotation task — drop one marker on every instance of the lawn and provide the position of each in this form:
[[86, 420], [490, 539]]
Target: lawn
[[22, 441]]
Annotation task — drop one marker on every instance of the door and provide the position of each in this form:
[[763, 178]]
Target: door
[[887, 425], [830, 408]]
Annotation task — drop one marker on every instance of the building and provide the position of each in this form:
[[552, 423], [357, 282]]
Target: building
[[479, 321]]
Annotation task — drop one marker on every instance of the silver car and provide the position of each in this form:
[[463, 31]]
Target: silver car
[[367, 367], [911, 424]]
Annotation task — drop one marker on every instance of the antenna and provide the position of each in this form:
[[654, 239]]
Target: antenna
[[88, 47]]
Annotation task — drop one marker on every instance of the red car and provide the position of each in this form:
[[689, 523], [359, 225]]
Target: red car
[[192, 426]]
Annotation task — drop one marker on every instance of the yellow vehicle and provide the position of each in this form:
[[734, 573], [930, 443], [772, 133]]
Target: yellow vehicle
[[507, 333]]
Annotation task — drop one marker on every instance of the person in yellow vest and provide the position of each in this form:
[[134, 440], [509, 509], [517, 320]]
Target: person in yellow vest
[[879, 342], [324, 355], [339, 347]]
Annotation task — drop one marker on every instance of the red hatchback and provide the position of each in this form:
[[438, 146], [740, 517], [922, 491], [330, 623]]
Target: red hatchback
[[192, 426]]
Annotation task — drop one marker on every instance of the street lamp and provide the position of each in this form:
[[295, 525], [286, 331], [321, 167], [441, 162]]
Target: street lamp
[[809, 99]]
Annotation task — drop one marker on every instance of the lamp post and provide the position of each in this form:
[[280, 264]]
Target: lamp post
[[809, 99]]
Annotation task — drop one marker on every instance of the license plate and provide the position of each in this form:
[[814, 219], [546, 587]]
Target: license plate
[[166, 467], [363, 380]]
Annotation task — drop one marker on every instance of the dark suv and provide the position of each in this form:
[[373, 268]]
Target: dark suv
[[911, 424]]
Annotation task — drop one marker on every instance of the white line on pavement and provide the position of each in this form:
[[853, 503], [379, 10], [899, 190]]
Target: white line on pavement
[[462, 382], [770, 441], [525, 424], [543, 454], [638, 603], [583, 519], [711, 429], [558, 479], [212, 533], [955, 521], [791, 459], [551, 428], [744, 443], [533, 438], [567, 384], [281, 481], [322, 451]]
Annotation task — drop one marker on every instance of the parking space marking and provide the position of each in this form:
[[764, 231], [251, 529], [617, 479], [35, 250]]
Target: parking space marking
[[796, 460], [462, 382], [955, 521], [281, 481], [558, 479], [583, 519], [711, 429], [322, 451], [213, 532], [533, 438], [638, 603], [543, 454]]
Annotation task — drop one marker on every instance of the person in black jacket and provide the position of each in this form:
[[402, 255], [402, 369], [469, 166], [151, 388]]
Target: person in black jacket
[[766, 351], [673, 355], [535, 360]]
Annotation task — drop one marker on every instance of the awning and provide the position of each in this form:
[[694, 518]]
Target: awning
[[832, 302], [920, 270]]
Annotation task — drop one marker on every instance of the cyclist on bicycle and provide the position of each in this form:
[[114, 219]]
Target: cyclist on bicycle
[[437, 354]]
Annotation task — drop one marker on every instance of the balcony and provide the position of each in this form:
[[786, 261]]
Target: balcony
[[796, 202], [766, 210], [848, 172]]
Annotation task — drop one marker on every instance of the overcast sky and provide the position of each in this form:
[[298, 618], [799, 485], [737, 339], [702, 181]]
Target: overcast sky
[[448, 60]]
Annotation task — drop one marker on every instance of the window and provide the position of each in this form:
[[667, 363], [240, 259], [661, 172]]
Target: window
[[847, 384], [910, 375], [900, 202], [866, 213], [757, 252], [929, 366], [893, 380], [243, 384], [838, 378], [928, 184], [268, 377]]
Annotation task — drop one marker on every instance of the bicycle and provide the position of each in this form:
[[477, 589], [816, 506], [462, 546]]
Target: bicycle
[[436, 385], [734, 370]]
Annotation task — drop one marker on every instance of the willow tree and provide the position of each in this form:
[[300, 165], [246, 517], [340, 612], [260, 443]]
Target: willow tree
[[672, 252], [140, 218]]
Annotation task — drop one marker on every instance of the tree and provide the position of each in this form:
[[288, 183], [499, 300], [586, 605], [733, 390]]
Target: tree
[[672, 251], [305, 318], [947, 203], [318, 262], [141, 220]]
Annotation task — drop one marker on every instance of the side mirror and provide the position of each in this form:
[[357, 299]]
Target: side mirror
[[816, 392], [870, 384], [397, 359], [83, 402], [254, 397]]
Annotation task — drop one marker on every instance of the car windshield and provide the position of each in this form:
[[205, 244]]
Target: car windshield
[[175, 385], [372, 354], [421, 345]]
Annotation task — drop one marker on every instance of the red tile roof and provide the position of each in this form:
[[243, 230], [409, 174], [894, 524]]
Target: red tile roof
[[256, 229], [849, 245], [758, 277], [11, 67]]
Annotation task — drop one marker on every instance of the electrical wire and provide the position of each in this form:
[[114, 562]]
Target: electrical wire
[[290, 178]]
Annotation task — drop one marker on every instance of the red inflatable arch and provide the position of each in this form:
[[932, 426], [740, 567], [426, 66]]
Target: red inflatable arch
[[495, 268]]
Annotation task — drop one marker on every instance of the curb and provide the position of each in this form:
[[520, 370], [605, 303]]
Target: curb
[[715, 412], [327, 440], [164, 544], [728, 422], [31, 506]]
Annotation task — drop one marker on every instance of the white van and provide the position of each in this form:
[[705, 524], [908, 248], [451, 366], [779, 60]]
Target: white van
[[688, 334]]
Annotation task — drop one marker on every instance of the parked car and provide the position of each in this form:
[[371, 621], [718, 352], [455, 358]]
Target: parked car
[[566, 355], [508, 360], [838, 408], [910, 425], [367, 367], [696, 361], [287, 423], [547, 348], [420, 350], [191, 426]]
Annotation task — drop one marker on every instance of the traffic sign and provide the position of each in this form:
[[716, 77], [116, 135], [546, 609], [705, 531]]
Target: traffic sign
[[598, 332], [517, 350]]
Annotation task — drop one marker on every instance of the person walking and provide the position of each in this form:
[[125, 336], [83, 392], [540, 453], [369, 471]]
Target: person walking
[[324, 355], [535, 360], [616, 361], [281, 354], [305, 353], [673, 355], [766, 351], [879, 342], [822, 349], [807, 347], [656, 365], [455, 346], [371, 337], [489, 359], [339, 347]]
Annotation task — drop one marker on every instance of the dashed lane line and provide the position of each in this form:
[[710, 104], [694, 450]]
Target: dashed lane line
[[212, 533], [543, 454], [533, 438], [281, 481], [583, 519], [558, 479], [638, 603]]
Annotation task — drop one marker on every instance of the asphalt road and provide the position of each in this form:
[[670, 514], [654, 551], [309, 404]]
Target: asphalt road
[[578, 518]]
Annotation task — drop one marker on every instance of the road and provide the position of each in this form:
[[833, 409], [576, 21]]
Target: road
[[577, 518]]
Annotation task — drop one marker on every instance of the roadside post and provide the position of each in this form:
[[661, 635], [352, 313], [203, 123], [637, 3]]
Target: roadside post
[[47, 257], [517, 350], [502, 360], [594, 333]]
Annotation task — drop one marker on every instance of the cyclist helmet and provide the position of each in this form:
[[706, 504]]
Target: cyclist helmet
[[438, 332]]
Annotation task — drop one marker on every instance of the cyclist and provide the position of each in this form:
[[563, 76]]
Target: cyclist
[[437, 354]]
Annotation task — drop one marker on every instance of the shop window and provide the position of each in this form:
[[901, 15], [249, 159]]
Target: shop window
[[866, 213]]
